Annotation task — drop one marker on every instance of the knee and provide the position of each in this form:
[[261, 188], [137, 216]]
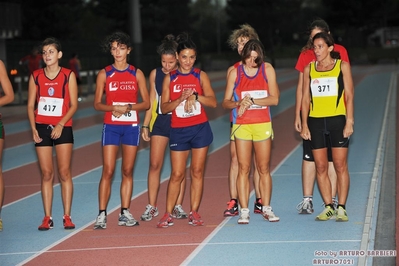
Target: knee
[[177, 176], [197, 173], [64, 174], [47, 176], [155, 166], [107, 173], [340, 167], [321, 168]]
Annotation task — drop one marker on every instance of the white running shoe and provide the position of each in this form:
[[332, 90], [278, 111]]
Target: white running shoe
[[244, 216]]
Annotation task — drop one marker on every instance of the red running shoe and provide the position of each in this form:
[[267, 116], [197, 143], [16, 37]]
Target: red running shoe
[[195, 219], [68, 222], [232, 208], [47, 224]]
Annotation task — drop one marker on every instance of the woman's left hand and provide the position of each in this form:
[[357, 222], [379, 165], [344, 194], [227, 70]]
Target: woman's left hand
[[348, 130], [57, 131]]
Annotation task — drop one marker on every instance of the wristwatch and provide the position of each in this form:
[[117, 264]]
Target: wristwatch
[[196, 95]]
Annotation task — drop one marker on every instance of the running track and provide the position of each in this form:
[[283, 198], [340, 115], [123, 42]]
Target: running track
[[295, 240]]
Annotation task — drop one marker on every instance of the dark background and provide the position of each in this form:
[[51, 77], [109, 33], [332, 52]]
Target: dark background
[[281, 24]]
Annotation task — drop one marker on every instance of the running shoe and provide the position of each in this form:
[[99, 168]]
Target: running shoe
[[166, 221], [305, 206], [1, 225], [127, 219], [269, 215], [341, 215], [101, 221], [195, 219], [68, 222], [244, 216], [47, 224], [149, 213], [258, 206], [179, 213], [232, 208], [326, 214]]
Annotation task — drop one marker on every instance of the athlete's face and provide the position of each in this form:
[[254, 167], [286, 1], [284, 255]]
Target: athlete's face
[[250, 61], [321, 49], [51, 55], [119, 51], [186, 60], [241, 41], [169, 62]]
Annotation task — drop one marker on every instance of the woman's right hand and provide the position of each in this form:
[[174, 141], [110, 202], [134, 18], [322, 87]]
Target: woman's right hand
[[145, 133], [36, 137], [305, 133], [298, 123]]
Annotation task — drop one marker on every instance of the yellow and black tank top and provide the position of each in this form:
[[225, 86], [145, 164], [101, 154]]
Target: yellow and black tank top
[[326, 91]]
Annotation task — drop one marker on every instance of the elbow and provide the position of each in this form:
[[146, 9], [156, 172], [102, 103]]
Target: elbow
[[275, 102], [214, 104]]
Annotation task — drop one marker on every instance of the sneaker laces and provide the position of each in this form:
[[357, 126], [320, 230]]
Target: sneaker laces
[[179, 208], [148, 209], [196, 216], [128, 215], [231, 204], [303, 204]]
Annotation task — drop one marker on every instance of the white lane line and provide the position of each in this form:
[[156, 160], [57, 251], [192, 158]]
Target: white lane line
[[218, 228], [374, 192], [183, 245]]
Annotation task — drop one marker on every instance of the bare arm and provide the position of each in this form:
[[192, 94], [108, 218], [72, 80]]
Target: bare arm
[[349, 96], [31, 109], [145, 133], [228, 100], [305, 104], [298, 103], [274, 92]]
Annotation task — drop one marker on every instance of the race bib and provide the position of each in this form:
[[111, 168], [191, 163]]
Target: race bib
[[257, 94], [49, 106], [324, 87], [183, 114], [127, 117]]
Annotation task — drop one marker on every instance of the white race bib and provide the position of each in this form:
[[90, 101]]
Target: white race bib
[[183, 114], [49, 106], [258, 94], [323, 87], [127, 117]]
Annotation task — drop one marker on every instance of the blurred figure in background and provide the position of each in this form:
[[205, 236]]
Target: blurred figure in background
[[75, 66], [33, 61]]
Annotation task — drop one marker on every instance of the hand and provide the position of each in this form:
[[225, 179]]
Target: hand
[[298, 124], [305, 133], [190, 104], [36, 137], [57, 131], [145, 134], [185, 94], [348, 130], [244, 104]]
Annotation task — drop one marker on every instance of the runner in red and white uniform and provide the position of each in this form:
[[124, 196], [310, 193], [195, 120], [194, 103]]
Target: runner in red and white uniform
[[156, 129], [185, 93], [250, 90], [237, 40], [54, 90], [121, 83]]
